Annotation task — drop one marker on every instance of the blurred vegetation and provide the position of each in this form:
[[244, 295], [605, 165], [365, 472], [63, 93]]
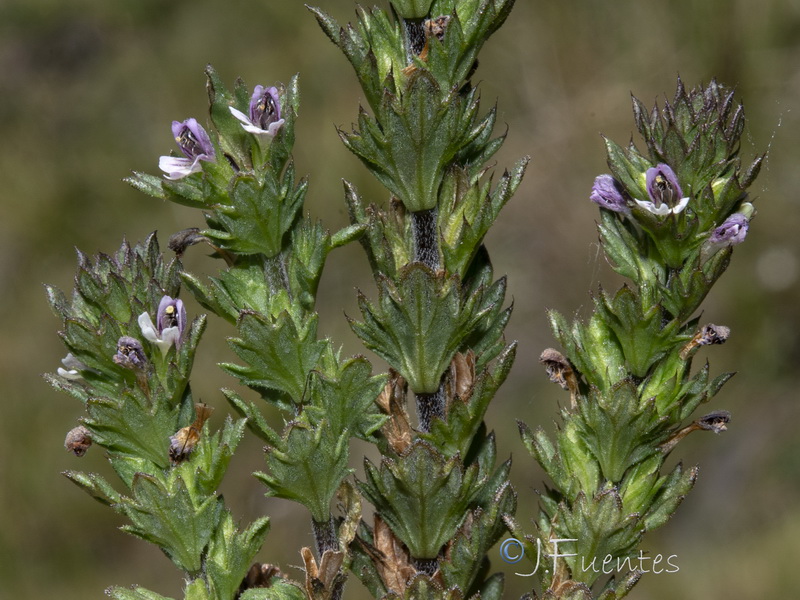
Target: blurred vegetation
[[87, 92]]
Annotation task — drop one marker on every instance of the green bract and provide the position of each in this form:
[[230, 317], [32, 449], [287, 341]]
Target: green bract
[[412, 9], [419, 324]]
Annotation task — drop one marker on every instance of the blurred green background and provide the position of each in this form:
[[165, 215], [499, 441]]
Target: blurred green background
[[88, 89]]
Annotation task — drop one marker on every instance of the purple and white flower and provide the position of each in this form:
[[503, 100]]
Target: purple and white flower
[[666, 196], [732, 231], [169, 327], [265, 113], [606, 192], [195, 144]]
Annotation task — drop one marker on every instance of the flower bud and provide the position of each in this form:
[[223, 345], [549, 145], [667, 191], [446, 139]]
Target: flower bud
[[130, 354], [607, 193], [732, 232], [431, 28], [747, 209], [78, 440]]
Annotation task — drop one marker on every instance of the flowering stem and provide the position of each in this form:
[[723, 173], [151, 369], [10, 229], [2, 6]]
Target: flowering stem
[[629, 367], [438, 321], [426, 246]]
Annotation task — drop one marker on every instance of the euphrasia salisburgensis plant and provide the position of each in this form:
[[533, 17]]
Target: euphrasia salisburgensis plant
[[669, 218]]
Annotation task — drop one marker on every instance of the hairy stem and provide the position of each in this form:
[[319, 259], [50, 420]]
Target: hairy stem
[[415, 37], [426, 239], [430, 406], [324, 536], [275, 272], [428, 566], [325, 539]]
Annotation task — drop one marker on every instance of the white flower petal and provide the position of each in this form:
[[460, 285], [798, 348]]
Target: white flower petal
[[171, 335], [650, 207], [240, 115], [71, 374], [148, 329], [678, 208], [170, 163], [256, 130], [164, 346], [178, 167], [72, 363], [274, 127], [250, 127]]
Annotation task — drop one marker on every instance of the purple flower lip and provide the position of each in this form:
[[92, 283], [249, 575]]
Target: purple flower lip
[[265, 106], [606, 192], [265, 113], [666, 196], [192, 139], [732, 231], [195, 144], [169, 327], [171, 313]]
